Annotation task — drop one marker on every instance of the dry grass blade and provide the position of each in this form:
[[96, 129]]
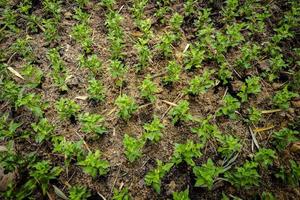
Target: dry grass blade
[[253, 137], [263, 129], [59, 193], [17, 74], [270, 111]]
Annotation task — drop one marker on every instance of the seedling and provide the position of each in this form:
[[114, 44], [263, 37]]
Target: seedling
[[224, 74], [183, 195], [148, 89], [235, 36], [144, 54], [138, 8], [33, 75], [117, 71], [32, 102], [10, 91], [265, 157], [9, 19], [108, 3], [200, 84], [252, 86], [122, 194], [230, 10], [153, 178], [205, 130], [230, 105], [43, 130], [165, 45], [91, 62], [42, 172], [53, 7], [92, 123], [79, 192], [173, 73], [59, 73], [282, 98], [9, 159], [284, 137], [145, 27], [230, 145], [153, 130], [180, 112], [82, 34], [254, 115], [96, 90], [82, 3], [249, 53], [69, 149], [81, 16], [93, 165], [245, 176], [187, 152], [207, 174], [51, 29], [126, 106], [133, 147], [176, 22], [194, 57], [67, 108], [7, 129]]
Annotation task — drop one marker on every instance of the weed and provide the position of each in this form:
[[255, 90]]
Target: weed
[[254, 115], [51, 29], [8, 129], [33, 75]]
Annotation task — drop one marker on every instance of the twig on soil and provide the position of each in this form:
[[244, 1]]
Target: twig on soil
[[270, 111], [10, 58], [101, 195], [176, 99], [114, 183], [84, 142], [168, 102], [226, 90], [158, 75], [253, 137], [145, 105], [263, 129]]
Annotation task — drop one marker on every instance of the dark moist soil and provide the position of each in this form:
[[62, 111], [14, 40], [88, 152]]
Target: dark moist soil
[[122, 172]]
